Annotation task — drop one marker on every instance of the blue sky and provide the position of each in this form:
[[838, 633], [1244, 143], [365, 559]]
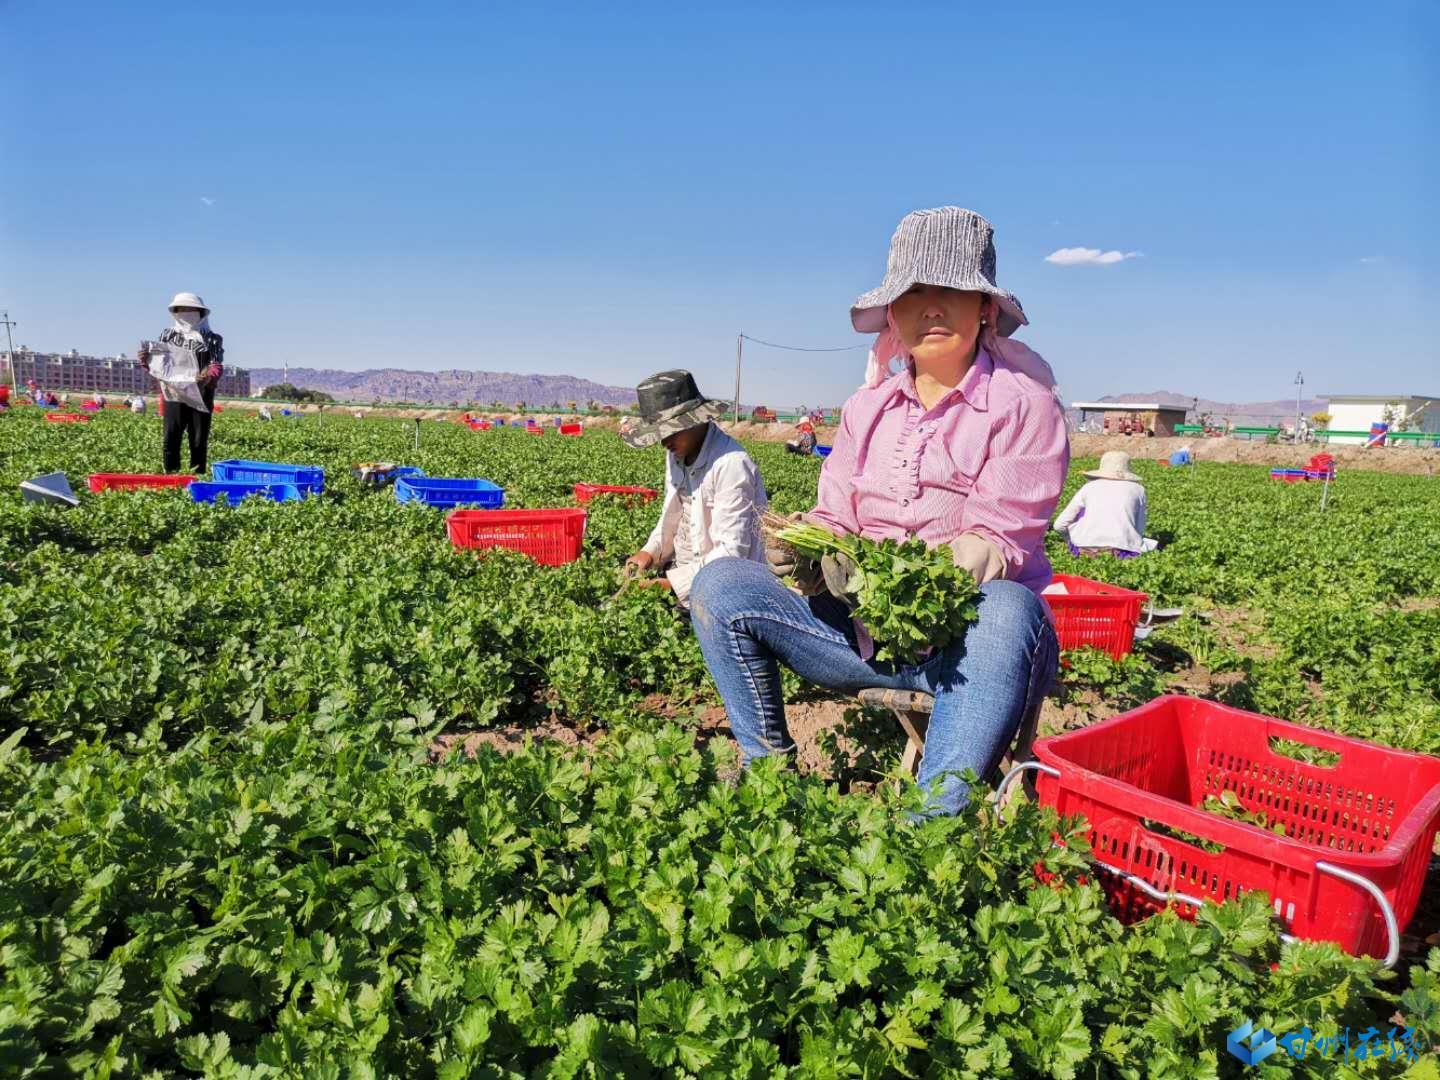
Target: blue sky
[[610, 190]]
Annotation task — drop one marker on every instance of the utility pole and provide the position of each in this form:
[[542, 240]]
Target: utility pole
[[739, 344], [14, 375], [1299, 385]]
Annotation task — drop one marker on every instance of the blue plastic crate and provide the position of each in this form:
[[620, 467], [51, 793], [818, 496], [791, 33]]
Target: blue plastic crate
[[208, 491], [240, 471], [450, 492], [823, 451]]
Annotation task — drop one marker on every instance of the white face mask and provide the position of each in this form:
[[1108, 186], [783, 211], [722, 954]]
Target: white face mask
[[190, 320]]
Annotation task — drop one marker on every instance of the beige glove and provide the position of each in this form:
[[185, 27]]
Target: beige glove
[[981, 557], [784, 563]]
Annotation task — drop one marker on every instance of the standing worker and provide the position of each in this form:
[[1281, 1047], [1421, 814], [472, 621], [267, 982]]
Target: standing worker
[[1107, 515], [190, 329]]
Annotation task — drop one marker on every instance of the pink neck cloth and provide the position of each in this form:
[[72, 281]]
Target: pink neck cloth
[[1015, 354]]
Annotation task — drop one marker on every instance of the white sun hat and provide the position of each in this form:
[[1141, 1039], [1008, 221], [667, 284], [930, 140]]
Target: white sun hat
[[189, 299], [1114, 465]]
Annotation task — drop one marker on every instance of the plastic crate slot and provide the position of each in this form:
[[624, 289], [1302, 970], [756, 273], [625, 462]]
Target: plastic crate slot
[[1314, 756]]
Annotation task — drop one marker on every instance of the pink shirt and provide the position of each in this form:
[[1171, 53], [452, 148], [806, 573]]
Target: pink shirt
[[989, 458]]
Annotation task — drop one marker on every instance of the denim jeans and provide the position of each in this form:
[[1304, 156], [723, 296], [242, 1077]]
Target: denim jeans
[[749, 624]]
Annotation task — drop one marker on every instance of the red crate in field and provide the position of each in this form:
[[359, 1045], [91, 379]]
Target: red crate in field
[[1095, 614], [571, 429], [585, 492], [536, 430], [1365, 822], [67, 418], [550, 537], [136, 481]]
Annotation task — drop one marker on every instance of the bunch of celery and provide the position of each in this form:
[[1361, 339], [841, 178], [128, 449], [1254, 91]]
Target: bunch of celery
[[910, 597]]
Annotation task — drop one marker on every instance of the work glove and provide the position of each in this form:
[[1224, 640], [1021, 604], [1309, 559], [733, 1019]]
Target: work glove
[[982, 558], [838, 570], [785, 563], [629, 574]]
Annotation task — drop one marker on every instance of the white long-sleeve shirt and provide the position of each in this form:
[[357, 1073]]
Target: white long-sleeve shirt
[[1106, 514], [720, 498]]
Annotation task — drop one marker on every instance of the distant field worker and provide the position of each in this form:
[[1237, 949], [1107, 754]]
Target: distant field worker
[[804, 442], [1182, 457], [1107, 516], [190, 328], [713, 491], [137, 405]]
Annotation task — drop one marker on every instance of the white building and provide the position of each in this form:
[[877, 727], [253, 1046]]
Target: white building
[[1356, 412]]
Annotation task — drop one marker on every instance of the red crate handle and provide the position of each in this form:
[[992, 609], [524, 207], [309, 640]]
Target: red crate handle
[[1392, 927]]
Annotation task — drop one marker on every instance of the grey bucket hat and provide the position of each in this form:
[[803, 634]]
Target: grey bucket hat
[[670, 403], [948, 246]]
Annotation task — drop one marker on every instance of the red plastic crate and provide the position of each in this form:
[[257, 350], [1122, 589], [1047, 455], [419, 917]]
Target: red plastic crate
[[550, 537], [571, 429], [536, 430], [1095, 614], [67, 418], [585, 492], [108, 481], [1138, 777]]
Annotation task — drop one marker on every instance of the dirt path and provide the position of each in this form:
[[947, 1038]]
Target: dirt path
[[1409, 460]]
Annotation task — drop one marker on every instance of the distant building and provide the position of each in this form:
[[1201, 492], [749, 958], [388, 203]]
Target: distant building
[[97, 374], [1122, 418], [1357, 412]]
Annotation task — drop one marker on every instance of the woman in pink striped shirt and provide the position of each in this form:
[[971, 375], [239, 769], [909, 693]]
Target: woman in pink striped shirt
[[965, 444]]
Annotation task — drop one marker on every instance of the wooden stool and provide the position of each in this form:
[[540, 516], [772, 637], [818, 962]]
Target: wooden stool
[[912, 709]]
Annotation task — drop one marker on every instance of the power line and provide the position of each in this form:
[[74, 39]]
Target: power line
[[740, 340], [801, 348]]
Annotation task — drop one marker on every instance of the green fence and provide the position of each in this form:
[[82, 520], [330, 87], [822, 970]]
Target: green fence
[[1406, 438]]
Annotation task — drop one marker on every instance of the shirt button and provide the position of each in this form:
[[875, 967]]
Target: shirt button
[[904, 502]]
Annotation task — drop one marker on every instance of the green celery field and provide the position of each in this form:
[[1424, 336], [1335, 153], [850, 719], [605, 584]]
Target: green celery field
[[228, 849]]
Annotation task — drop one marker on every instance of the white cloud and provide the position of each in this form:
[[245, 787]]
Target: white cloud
[[1083, 256], [207, 200], [1372, 258]]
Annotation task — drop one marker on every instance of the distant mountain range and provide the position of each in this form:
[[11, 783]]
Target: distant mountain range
[[446, 387], [1247, 414], [537, 391]]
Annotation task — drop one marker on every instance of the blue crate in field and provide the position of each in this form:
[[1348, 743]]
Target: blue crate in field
[[823, 451], [209, 491], [239, 471], [449, 492]]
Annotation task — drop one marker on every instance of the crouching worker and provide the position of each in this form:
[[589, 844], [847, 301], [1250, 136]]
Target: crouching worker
[[804, 442], [965, 445], [1107, 515], [713, 492]]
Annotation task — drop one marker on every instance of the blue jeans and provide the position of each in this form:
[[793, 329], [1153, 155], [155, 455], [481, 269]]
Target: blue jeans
[[749, 624]]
